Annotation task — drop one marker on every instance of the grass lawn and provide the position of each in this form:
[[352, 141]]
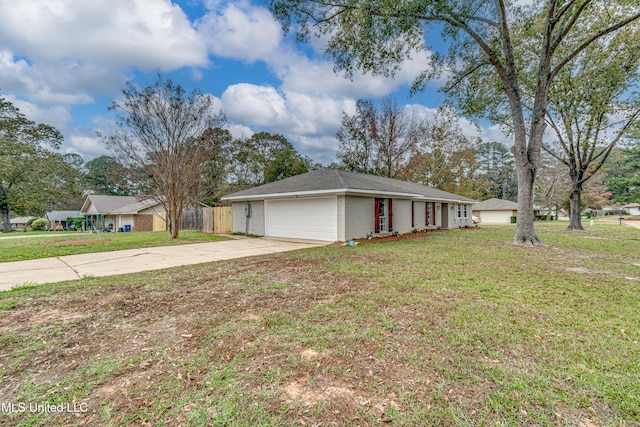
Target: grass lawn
[[457, 328], [82, 243]]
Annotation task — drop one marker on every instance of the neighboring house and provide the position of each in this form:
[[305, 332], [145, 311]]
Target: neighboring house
[[335, 205], [58, 219], [143, 215], [498, 211], [632, 208], [20, 222], [120, 213]]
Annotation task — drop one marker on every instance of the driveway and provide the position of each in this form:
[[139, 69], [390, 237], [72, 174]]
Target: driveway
[[72, 267]]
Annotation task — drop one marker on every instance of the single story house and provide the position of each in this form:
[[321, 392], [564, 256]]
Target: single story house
[[495, 211], [20, 222], [632, 208], [335, 205], [120, 213], [58, 219], [498, 211]]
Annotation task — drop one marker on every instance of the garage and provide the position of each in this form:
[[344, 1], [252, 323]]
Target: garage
[[302, 218], [496, 217]]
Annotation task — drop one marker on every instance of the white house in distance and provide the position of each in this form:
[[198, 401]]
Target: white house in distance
[[334, 205], [495, 211], [632, 208]]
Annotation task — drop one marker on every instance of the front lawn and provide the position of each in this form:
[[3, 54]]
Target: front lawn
[[49, 245], [457, 328]]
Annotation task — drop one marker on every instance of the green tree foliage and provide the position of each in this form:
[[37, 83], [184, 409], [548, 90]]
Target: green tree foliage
[[264, 158], [217, 168], [104, 175], [496, 164], [444, 158], [377, 36], [160, 131], [623, 175], [32, 173], [376, 140], [592, 108]]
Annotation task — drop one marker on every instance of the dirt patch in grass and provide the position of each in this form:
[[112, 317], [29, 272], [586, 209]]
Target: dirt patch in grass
[[330, 336]]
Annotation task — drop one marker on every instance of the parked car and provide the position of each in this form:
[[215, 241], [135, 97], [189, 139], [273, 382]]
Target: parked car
[[476, 219]]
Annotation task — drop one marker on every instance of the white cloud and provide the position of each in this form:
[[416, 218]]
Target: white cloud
[[57, 116], [240, 31], [146, 34], [65, 51], [86, 144], [255, 105]]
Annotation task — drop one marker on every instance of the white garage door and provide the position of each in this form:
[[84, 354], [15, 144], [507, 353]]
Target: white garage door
[[312, 218], [495, 217]]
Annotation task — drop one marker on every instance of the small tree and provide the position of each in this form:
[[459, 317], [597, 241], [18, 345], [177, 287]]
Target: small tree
[[623, 178], [162, 131]]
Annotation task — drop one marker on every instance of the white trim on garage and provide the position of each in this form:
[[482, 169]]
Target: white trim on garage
[[313, 218]]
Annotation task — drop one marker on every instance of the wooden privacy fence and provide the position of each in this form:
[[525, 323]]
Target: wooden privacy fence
[[209, 220]]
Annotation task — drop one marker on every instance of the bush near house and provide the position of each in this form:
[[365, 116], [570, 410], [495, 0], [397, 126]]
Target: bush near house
[[39, 224]]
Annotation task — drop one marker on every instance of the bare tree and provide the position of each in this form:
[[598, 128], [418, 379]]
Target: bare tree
[[443, 157], [376, 141], [161, 129]]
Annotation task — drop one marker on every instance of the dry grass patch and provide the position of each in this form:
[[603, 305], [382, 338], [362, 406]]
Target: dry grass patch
[[451, 329]]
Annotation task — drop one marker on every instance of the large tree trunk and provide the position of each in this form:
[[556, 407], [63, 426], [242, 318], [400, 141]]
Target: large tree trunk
[[6, 221], [575, 214], [525, 231], [4, 208]]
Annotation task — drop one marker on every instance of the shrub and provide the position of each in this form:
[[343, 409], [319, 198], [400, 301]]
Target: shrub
[[39, 224], [514, 219]]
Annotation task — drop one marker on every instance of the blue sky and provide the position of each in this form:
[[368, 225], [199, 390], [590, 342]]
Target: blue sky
[[63, 61]]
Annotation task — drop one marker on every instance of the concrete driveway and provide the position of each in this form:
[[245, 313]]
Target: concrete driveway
[[72, 267]]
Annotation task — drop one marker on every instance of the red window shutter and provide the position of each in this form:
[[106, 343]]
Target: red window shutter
[[376, 215], [390, 215]]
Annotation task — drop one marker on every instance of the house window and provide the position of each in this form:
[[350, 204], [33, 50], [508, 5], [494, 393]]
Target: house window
[[383, 215], [465, 211], [459, 210], [431, 213]]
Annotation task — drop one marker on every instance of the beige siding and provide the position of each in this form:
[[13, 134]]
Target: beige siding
[[402, 216], [420, 215], [341, 218], [256, 221], [359, 212]]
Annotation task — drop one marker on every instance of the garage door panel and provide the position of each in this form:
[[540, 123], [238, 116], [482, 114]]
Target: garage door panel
[[314, 218], [495, 217]]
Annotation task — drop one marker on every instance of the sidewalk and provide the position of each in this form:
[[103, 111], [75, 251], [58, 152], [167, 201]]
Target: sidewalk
[[72, 267]]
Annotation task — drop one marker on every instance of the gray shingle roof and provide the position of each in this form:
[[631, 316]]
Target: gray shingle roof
[[135, 207], [332, 180], [495, 205], [106, 204], [61, 215]]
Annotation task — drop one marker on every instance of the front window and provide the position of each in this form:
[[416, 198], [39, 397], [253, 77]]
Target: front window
[[459, 210]]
